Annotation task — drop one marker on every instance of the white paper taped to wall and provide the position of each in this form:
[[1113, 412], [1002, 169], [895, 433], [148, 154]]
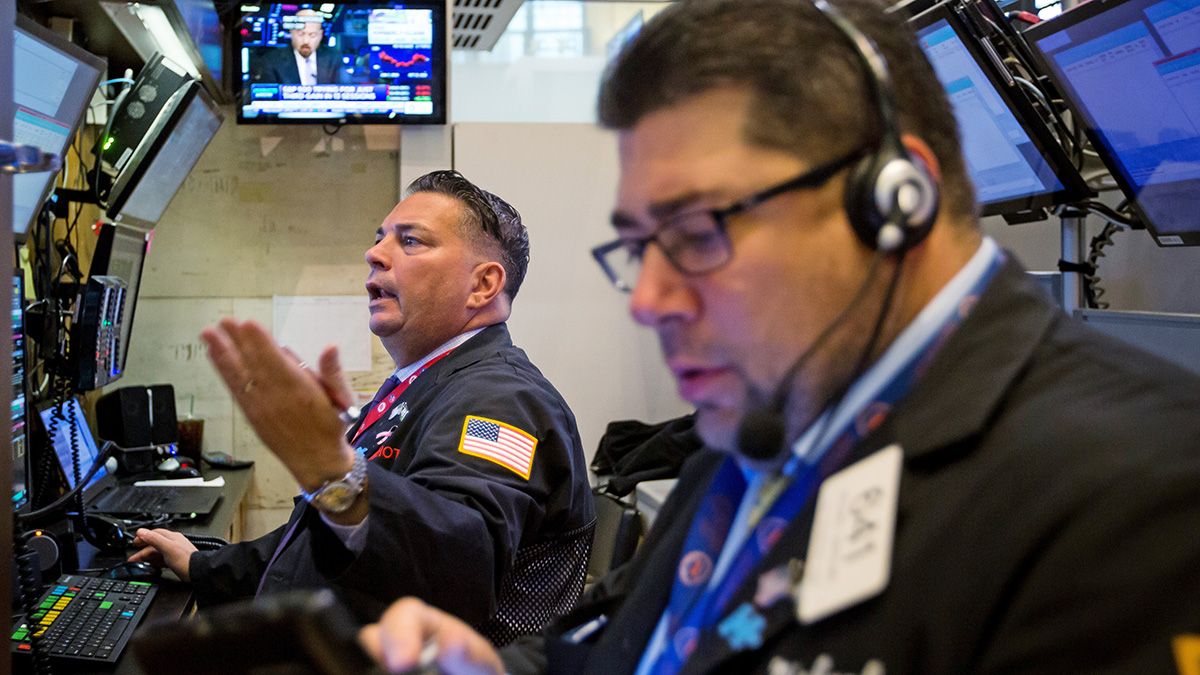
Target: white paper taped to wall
[[307, 323]]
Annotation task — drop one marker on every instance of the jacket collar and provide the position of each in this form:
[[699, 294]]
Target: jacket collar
[[488, 341], [969, 377]]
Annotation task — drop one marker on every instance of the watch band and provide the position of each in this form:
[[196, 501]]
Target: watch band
[[339, 494]]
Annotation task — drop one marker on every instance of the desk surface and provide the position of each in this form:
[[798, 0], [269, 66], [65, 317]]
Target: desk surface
[[237, 483]]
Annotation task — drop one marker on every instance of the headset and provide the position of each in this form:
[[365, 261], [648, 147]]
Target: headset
[[891, 202], [891, 199]]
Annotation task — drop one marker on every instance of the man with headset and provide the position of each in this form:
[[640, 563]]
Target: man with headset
[[919, 465]]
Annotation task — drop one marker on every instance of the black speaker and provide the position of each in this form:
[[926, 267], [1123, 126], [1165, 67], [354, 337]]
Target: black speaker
[[135, 417]]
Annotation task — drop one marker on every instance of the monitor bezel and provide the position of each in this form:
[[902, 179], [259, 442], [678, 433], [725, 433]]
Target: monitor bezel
[[1074, 187], [441, 48], [99, 63], [1062, 22]]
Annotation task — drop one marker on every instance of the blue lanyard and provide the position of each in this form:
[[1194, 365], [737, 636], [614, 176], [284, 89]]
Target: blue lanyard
[[692, 608]]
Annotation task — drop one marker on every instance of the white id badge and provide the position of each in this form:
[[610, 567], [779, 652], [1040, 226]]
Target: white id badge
[[850, 548]]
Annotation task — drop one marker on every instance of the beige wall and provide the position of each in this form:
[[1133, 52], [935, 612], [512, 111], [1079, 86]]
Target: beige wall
[[267, 211]]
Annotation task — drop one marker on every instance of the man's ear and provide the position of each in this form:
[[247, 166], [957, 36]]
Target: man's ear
[[487, 282], [920, 150]]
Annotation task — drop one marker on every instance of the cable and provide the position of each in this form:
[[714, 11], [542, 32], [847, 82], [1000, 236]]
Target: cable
[[834, 402], [1033, 90], [105, 452], [108, 122], [1093, 291], [125, 80], [1109, 214]]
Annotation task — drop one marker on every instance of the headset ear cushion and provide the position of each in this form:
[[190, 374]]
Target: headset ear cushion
[[860, 201], [874, 184]]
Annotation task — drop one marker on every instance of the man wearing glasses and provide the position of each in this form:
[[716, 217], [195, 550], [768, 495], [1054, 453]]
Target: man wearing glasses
[[919, 464]]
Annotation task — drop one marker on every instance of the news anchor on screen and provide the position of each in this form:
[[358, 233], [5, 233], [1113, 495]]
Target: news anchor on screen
[[308, 62]]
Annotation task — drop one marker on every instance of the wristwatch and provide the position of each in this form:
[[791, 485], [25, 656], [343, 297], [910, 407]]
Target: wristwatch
[[339, 494]]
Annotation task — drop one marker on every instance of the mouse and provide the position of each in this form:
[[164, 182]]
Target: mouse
[[132, 571], [184, 472]]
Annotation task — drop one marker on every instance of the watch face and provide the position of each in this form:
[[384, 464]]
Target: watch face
[[336, 497]]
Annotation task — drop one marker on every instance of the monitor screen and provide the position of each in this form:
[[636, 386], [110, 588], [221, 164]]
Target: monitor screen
[[1131, 69], [67, 428], [121, 252], [53, 81], [141, 202], [20, 444], [359, 62], [1011, 169]]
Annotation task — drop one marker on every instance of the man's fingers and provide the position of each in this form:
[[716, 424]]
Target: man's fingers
[[405, 626], [369, 638], [225, 357], [144, 537], [410, 627], [147, 554], [330, 371]]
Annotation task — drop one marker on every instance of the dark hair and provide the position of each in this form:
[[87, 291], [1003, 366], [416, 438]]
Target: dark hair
[[810, 90], [487, 221]]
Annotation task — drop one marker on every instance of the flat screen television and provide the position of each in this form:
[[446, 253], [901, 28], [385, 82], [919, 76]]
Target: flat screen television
[[1014, 161], [1130, 69], [369, 62], [53, 81]]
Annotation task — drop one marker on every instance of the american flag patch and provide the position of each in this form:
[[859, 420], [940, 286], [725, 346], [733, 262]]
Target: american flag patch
[[498, 442]]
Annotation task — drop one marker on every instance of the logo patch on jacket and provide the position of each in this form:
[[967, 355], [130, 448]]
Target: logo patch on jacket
[[495, 441], [1187, 654]]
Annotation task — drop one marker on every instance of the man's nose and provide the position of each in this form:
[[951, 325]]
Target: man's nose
[[661, 291], [374, 256]]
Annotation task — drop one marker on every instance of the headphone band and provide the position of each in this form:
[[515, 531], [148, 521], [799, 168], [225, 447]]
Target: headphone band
[[891, 200], [874, 63]]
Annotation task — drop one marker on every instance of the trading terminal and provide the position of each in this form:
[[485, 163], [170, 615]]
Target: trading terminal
[[180, 162]]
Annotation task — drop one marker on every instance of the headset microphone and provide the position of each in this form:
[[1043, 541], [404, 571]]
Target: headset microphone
[[762, 433]]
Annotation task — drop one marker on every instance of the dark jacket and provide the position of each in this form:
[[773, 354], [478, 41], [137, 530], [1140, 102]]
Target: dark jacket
[[277, 65], [1047, 521], [505, 553]]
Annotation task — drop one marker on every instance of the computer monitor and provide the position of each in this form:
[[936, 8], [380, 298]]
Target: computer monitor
[[121, 252], [68, 431], [1130, 69], [20, 443], [53, 81], [157, 136], [369, 62], [1014, 161]]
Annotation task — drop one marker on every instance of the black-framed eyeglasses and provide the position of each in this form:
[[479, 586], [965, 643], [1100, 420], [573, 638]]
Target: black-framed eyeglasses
[[695, 241]]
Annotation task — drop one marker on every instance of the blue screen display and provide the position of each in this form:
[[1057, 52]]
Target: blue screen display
[[1003, 161], [1133, 73]]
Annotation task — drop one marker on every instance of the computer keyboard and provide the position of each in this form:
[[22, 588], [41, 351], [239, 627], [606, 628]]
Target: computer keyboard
[[85, 619]]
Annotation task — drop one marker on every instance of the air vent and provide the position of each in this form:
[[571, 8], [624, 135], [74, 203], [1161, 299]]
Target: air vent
[[477, 24]]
